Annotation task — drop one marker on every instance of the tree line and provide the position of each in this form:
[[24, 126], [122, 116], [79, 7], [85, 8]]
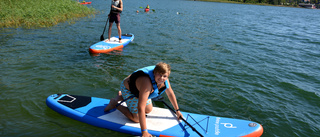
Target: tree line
[[277, 2]]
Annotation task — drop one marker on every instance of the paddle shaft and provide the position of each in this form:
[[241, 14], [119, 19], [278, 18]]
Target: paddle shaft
[[101, 37], [195, 130]]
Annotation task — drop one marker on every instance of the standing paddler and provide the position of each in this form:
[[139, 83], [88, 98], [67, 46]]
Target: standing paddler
[[114, 16]]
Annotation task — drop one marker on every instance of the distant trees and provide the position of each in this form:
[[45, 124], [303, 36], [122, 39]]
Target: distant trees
[[314, 1], [278, 2]]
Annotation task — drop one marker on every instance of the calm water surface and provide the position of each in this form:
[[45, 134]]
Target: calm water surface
[[249, 62]]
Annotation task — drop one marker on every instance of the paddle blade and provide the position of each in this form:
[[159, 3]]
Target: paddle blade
[[101, 38]]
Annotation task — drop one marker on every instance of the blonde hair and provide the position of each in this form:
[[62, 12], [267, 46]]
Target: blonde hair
[[162, 68]]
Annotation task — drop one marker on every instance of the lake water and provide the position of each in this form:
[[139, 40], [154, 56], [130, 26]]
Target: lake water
[[258, 63]]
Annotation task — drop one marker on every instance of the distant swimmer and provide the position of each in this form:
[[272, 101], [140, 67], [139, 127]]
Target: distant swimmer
[[147, 8]]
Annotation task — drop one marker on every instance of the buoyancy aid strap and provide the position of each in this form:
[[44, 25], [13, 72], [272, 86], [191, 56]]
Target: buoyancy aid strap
[[132, 96]]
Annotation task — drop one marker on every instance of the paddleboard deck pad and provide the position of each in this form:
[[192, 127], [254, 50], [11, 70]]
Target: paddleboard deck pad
[[113, 44], [160, 122]]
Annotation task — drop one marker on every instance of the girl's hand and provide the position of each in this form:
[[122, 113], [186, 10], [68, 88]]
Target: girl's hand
[[179, 115], [146, 134]]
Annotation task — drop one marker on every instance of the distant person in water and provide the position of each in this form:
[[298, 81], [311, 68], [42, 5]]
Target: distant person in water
[[114, 16], [147, 8], [139, 88]]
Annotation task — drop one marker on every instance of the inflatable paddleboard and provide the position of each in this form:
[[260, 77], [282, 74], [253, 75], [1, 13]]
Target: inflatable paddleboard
[[160, 122], [83, 3], [113, 44]]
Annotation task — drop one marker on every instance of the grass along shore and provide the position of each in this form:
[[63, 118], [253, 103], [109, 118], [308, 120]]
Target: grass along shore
[[40, 13]]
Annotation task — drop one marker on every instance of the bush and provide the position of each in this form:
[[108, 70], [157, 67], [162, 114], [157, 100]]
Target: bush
[[40, 13]]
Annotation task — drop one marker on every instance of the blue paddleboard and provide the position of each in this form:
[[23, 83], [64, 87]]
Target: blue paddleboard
[[160, 122], [113, 44]]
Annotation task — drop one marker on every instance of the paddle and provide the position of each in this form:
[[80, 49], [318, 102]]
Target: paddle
[[101, 37], [160, 98]]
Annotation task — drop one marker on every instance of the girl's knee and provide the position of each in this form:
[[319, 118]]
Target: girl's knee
[[149, 109], [135, 119]]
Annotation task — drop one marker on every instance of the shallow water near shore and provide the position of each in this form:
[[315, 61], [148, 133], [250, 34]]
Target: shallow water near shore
[[258, 63]]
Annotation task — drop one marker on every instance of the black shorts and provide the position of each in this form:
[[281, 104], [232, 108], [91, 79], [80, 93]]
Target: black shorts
[[114, 17]]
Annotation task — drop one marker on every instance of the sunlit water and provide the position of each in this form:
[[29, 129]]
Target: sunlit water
[[249, 62]]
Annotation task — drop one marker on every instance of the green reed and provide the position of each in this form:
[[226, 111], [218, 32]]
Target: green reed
[[40, 13]]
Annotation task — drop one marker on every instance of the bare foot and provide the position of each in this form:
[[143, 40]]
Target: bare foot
[[120, 41], [112, 104], [107, 40], [119, 97]]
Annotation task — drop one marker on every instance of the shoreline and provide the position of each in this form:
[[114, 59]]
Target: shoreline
[[261, 4]]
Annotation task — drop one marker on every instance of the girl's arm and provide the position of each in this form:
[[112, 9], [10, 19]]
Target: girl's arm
[[144, 86], [121, 6], [173, 100]]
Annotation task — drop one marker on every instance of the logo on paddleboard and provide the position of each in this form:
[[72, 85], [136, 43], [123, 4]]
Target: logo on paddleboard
[[103, 47], [226, 125]]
